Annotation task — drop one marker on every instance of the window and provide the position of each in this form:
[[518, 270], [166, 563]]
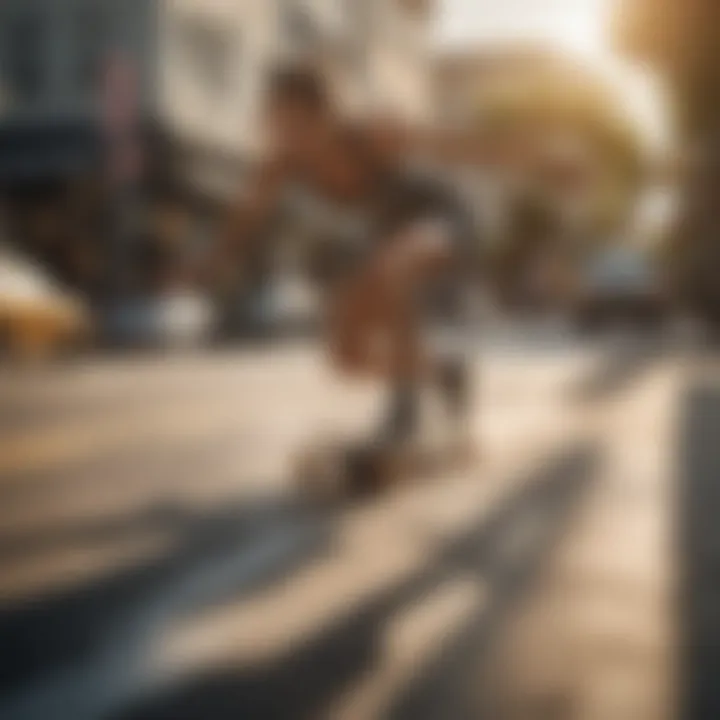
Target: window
[[90, 34], [24, 58], [300, 27], [418, 8], [207, 52], [359, 29], [358, 15]]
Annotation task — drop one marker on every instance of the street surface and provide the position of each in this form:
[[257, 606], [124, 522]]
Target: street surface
[[157, 564]]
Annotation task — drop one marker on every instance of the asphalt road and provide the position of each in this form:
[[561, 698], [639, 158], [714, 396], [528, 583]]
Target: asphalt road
[[156, 562]]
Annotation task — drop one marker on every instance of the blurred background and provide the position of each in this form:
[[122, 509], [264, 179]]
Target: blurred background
[[153, 560]]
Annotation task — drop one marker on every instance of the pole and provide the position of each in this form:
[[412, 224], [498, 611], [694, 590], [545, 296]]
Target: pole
[[120, 124]]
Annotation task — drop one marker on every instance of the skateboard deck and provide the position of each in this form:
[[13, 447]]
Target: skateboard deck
[[334, 468]]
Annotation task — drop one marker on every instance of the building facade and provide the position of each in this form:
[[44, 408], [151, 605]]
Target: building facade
[[193, 80]]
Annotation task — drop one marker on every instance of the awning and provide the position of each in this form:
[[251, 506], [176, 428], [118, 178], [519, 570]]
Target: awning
[[47, 151]]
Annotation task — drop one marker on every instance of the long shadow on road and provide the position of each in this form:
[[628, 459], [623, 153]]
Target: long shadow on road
[[72, 654], [446, 687], [304, 682]]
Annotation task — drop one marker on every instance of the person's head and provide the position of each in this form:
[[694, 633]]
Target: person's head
[[298, 110]]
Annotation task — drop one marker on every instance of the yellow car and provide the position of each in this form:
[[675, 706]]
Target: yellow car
[[37, 318]]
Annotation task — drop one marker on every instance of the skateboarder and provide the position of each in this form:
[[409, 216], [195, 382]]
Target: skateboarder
[[394, 244]]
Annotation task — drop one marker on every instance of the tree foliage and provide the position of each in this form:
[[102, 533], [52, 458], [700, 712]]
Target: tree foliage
[[525, 106]]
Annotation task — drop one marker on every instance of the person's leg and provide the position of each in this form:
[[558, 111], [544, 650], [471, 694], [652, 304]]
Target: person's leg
[[380, 330], [417, 362], [455, 386], [353, 312], [406, 367], [373, 335], [449, 346]]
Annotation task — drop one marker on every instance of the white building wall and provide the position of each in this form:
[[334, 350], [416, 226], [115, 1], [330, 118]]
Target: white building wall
[[224, 112], [377, 52], [394, 73], [400, 59]]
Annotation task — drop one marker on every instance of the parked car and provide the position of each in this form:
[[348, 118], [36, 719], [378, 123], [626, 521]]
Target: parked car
[[620, 285], [177, 319], [281, 307]]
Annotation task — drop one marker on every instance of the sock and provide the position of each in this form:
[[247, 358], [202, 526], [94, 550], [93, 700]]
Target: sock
[[453, 379], [402, 416]]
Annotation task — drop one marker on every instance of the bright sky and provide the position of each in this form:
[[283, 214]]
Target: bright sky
[[579, 26]]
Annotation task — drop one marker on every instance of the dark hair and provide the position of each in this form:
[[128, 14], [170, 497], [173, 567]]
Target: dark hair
[[299, 84]]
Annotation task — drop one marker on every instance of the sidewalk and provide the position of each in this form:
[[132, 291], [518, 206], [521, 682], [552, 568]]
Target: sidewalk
[[594, 642]]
